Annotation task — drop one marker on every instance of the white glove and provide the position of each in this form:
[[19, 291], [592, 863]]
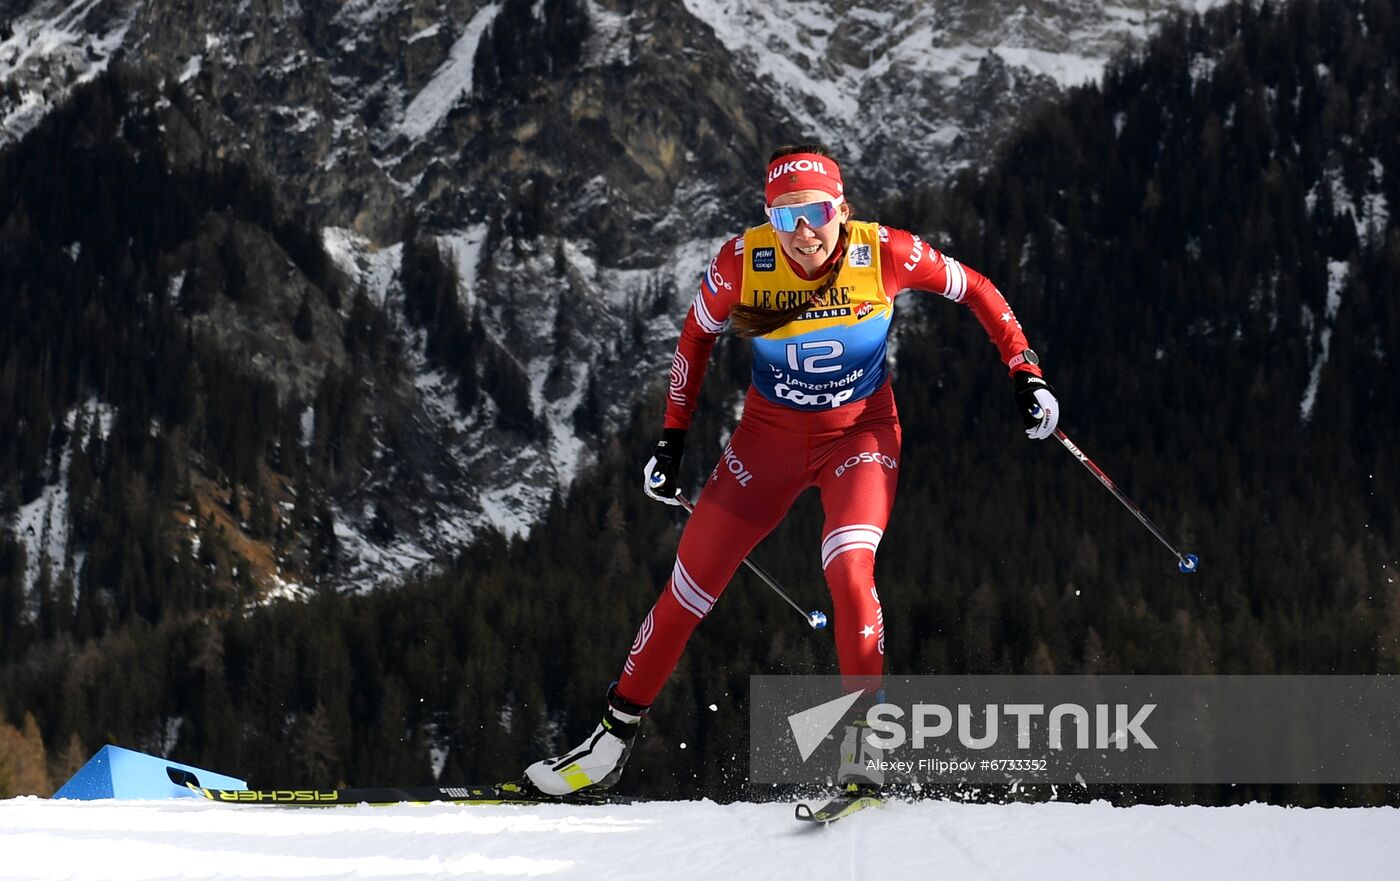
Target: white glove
[[659, 477], [1036, 400], [1047, 410]]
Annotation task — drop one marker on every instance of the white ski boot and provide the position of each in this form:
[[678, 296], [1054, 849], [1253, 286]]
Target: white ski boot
[[596, 763]]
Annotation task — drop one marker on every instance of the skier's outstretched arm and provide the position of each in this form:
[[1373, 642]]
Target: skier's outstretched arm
[[704, 322], [912, 263]]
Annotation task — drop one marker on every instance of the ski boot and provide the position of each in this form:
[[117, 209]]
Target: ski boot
[[597, 763], [862, 770], [859, 779]]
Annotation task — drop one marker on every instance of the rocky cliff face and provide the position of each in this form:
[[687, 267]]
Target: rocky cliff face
[[576, 162]]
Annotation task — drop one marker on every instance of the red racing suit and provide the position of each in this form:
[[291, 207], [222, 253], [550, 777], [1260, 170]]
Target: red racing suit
[[820, 412]]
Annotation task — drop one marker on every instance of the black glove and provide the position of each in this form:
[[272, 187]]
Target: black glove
[[1035, 399], [660, 477]]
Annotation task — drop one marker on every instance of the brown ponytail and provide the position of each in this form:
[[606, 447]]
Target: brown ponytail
[[751, 321]]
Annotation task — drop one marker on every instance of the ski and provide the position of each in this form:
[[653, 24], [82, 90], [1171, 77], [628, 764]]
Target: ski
[[380, 796], [843, 805]]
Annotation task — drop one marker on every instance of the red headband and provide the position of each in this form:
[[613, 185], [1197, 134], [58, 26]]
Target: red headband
[[802, 171]]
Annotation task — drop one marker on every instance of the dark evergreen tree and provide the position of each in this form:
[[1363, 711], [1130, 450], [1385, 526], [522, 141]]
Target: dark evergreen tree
[[302, 324]]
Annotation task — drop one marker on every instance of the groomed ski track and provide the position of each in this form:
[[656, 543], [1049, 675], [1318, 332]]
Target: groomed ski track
[[186, 839]]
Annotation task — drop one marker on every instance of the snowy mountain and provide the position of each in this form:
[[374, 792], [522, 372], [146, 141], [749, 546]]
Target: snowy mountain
[[576, 162], [700, 840]]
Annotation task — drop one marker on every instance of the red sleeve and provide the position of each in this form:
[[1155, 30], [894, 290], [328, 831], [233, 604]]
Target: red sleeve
[[704, 321], [909, 262]]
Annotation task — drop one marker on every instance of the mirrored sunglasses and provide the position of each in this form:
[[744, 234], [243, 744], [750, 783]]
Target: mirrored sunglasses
[[817, 214]]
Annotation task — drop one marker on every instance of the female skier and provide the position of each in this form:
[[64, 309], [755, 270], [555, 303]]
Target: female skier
[[814, 290]]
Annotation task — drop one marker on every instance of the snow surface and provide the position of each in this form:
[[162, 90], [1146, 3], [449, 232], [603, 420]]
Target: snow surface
[[451, 81], [1065, 68], [53, 36], [1337, 272], [42, 526], [368, 266], [184, 839], [465, 248], [611, 43]]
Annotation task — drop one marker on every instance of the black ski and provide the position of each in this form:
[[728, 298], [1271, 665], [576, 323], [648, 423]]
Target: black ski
[[488, 794], [843, 805]]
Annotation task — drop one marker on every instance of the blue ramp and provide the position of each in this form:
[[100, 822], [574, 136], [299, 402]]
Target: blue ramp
[[125, 774]]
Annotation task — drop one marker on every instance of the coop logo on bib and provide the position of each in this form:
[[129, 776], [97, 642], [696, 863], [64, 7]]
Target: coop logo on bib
[[764, 260], [813, 399]]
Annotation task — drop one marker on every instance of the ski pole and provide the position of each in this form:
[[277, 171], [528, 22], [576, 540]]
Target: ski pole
[[1187, 563], [815, 619]]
